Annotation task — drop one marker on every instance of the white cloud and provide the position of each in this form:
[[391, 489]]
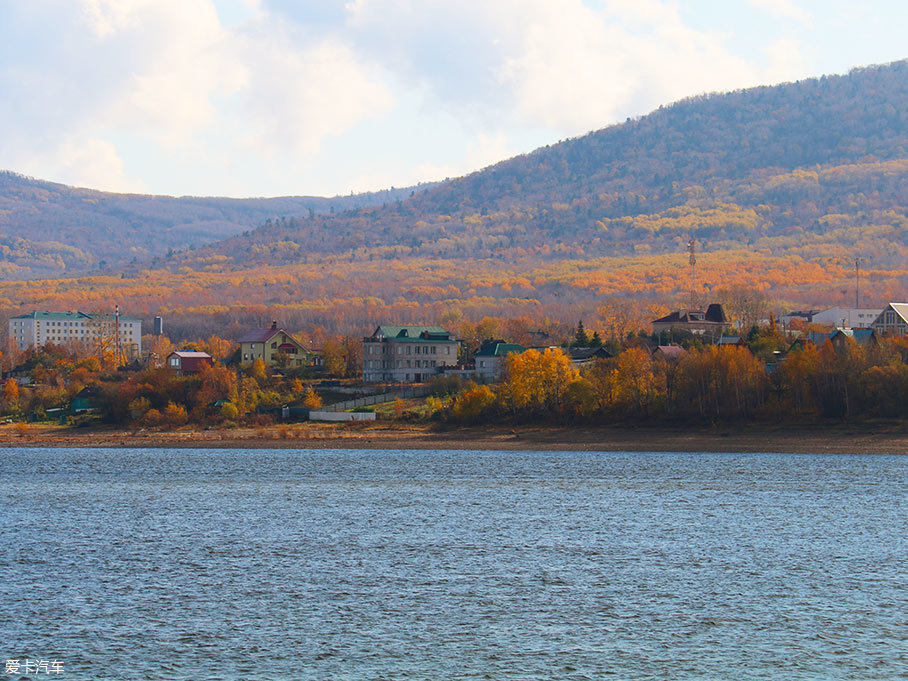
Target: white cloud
[[147, 84], [561, 65], [300, 93], [785, 9]]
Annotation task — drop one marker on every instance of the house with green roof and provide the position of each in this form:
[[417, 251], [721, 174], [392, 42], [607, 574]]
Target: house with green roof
[[490, 358], [36, 329], [407, 354]]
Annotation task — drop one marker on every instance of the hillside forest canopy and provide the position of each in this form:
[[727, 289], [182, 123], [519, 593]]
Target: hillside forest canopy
[[782, 189]]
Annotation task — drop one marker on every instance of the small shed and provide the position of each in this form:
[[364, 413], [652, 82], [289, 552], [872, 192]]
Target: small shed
[[188, 362]]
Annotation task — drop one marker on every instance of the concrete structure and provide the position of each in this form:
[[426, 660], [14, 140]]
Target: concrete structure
[[710, 324], [188, 362], [847, 317], [892, 321], [274, 346], [407, 354], [490, 358], [36, 329]]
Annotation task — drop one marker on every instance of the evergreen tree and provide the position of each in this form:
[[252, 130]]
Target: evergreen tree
[[581, 339], [596, 340]]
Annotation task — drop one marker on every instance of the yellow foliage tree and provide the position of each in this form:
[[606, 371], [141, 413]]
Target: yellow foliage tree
[[312, 400], [536, 382]]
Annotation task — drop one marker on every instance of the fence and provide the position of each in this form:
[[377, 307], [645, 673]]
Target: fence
[[421, 391], [341, 416]]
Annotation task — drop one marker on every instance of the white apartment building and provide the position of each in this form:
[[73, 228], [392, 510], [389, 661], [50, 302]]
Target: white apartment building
[[36, 329], [407, 354], [847, 317]]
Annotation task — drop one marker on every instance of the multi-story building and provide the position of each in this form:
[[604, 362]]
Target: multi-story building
[[407, 354], [36, 329], [711, 323], [274, 346]]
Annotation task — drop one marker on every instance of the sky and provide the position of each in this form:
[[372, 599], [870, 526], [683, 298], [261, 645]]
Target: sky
[[325, 97]]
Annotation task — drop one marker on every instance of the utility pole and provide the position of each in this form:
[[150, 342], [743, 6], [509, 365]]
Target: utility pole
[[857, 280]]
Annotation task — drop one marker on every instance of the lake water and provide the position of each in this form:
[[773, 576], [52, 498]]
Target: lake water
[[230, 564]]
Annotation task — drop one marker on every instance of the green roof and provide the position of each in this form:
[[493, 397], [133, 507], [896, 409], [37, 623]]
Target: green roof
[[499, 349], [413, 333], [69, 316]]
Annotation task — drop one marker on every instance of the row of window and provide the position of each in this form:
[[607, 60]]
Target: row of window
[[411, 349], [418, 363]]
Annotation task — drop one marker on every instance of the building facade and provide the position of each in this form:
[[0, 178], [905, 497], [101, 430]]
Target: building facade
[[490, 358], [188, 362], [36, 329], [711, 323], [847, 317], [892, 321], [407, 354], [274, 346]]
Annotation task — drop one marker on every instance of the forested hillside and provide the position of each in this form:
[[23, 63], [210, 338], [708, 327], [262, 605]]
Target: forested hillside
[[797, 167], [49, 229], [781, 187]]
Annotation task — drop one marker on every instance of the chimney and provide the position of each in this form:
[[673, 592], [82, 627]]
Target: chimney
[[274, 325]]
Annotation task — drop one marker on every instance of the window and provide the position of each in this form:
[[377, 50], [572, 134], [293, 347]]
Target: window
[[408, 352], [398, 364], [434, 349], [448, 350], [174, 361], [417, 349]]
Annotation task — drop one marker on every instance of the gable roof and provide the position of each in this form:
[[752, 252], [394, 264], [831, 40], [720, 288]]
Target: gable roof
[[188, 354], [901, 309], [497, 348], [714, 314], [260, 335], [670, 351], [581, 354]]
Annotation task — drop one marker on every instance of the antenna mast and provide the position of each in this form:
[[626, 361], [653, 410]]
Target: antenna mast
[[692, 249]]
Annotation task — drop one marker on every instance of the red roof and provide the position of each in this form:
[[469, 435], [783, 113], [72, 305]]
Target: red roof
[[260, 335]]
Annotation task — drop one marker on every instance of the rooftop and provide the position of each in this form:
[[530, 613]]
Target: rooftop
[[73, 315]]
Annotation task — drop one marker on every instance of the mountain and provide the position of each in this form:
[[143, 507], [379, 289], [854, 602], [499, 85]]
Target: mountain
[[49, 229], [733, 169], [780, 187]]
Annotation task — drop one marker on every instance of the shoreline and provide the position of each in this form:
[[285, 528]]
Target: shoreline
[[865, 438]]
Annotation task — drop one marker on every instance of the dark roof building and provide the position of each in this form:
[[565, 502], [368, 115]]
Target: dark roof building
[[710, 323]]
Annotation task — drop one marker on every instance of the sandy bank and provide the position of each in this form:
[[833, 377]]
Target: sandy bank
[[878, 438]]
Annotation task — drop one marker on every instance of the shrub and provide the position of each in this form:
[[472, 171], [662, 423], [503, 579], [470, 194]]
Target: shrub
[[229, 412], [175, 414]]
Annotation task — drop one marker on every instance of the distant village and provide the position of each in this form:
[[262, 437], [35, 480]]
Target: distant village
[[393, 362], [416, 354]]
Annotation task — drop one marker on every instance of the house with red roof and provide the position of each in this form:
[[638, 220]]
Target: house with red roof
[[188, 362], [274, 346]]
